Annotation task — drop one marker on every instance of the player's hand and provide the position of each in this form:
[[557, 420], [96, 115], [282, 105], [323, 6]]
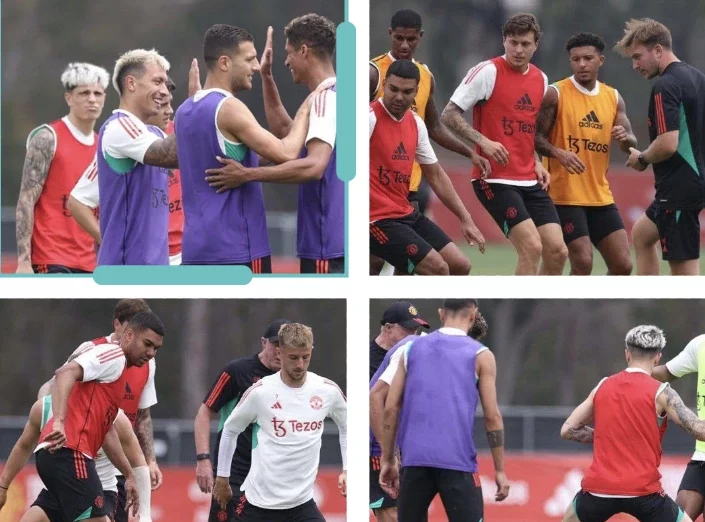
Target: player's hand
[[542, 175], [24, 267], [194, 78], [343, 483], [619, 133], [633, 160], [231, 175], [155, 475], [483, 164], [570, 161], [472, 234], [57, 437], [495, 150], [222, 492], [265, 64], [204, 475], [133, 498], [389, 478], [500, 479], [3, 497]]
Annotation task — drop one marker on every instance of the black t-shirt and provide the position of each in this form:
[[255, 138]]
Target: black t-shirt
[[377, 354], [234, 380], [678, 103]]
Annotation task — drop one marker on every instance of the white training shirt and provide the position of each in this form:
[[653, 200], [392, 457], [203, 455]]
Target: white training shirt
[[425, 154], [322, 119], [86, 189], [127, 138], [687, 362], [478, 85], [286, 438]]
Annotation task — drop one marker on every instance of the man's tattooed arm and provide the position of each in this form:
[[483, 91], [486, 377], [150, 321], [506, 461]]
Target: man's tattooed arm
[[579, 433], [162, 153], [682, 415], [495, 438], [40, 152], [544, 123], [453, 118], [145, 434]]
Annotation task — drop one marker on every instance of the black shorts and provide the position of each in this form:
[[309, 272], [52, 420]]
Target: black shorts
[[306, 512], [405, 241], [694, 477], [57, 269], [509, 205], [678, 230], [111, 505], [596, 222], [229, 515], [262, 265], [72, 481], [322, 266], [461, 494], [121, 505], [378, 498], [48, 503], [657, 507]]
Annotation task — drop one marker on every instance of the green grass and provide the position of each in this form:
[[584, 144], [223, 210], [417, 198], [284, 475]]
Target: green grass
[[500, 259]]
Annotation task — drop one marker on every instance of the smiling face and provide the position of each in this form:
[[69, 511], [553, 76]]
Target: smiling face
[[296, 61], [148, 89], [242, 66]]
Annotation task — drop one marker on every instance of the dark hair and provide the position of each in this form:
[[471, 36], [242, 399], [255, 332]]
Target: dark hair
[[520, 24], [126, 309], [170, 84], [584, 40], [404, 69], [222, 39], [133, 69], [315, 31], [147, 321], [456, 305], [407, 19], [479, 327]]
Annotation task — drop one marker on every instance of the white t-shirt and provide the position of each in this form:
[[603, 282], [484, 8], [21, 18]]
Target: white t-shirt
[[86, 189], [425, 154], [322, 120], [478, 86], [286, 438], [687, 362], [104, 363], [127, 138]]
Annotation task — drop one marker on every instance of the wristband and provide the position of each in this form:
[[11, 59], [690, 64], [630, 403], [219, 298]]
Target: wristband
[[203, 456]]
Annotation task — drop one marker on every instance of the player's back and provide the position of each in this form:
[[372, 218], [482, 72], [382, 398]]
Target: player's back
[[224, 228], [583, 125], [134, 202], [437, 420], [627, 438]]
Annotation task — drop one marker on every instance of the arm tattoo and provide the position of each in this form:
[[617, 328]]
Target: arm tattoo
[[686, 418], [162, 153], [581, 433], [453, 118], [145, 434], [495, 438], [36, 168], [544, 124]]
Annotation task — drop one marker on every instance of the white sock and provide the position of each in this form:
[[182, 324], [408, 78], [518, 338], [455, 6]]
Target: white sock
[[144, 490]]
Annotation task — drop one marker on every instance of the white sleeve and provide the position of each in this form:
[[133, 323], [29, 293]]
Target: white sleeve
[[244, 414], [405, 355], [391, 370], [127, 137], [424, 152], [339, 414], [83, 348], [545, 82], [477, 85], [322, 120], [373, 121], [687, 361], [105, 363], [86, 190], [149, 394]]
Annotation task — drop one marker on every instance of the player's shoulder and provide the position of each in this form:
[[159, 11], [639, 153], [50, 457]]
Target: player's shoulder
[[697, 343], [43, 135], [481, 69], [240, 365], [123, 123], [420, 124], [377, 60], [324, 384]]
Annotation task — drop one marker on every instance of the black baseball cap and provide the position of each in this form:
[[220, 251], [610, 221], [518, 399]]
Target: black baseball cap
[[405, 314], [272, 331]]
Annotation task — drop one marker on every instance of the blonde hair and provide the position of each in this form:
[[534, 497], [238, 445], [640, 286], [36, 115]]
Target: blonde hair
[[136, 59], [644, 31], [81, 73], [295, 335]]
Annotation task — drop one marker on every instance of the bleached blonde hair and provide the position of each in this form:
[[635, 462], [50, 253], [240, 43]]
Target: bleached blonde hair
[[646, 337], [81, 73], [295, 335], [137, 58]]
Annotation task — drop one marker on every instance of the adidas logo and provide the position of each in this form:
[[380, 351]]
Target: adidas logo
[[590, 120], [400, 152], [127, 388], [524, 103], [277, 406]]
